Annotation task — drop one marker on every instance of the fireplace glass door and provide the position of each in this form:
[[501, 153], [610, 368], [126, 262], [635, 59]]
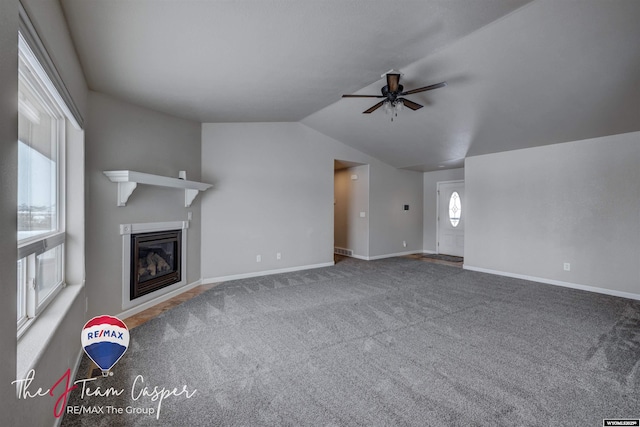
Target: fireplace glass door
[[155, 261]]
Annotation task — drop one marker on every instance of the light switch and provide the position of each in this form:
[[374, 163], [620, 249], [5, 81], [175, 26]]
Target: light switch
[[363, 214]]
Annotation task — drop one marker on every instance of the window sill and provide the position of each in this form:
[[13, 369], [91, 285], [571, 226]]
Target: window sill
[[33, 343]]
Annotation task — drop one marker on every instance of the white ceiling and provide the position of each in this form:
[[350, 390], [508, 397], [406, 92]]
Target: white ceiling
[[519, 73]]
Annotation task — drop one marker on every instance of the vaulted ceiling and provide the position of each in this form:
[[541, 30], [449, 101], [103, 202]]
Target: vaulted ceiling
[[520, 73]]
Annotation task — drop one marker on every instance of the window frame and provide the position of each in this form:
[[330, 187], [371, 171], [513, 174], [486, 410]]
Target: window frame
[[29, 303]]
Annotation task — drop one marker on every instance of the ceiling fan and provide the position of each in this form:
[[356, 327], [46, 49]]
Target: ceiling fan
[[392, 93]]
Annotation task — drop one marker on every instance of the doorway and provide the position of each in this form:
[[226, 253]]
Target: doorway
[[451, 218], [351, 209]]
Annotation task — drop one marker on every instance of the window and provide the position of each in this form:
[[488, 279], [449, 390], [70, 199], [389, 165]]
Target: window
[[41, 233], [455, 209]]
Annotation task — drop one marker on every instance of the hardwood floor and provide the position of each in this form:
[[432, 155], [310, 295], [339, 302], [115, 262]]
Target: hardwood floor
[[150, 313], [435, 261]]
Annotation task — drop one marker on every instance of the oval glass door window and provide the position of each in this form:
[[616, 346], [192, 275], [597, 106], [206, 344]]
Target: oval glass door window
[[455, 208]]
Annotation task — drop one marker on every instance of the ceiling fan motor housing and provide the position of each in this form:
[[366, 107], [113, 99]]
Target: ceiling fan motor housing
[[391, 96]]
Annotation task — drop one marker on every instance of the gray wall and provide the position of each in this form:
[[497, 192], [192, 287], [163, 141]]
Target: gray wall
[[430, 219], [274, 193], [389, 224], [352, 197], [529, 211], [122, 136], [64, 347], [8, 212]]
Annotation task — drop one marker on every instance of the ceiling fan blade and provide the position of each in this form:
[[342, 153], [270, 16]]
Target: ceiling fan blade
[[410, 104], [362, 96], [424, 89], [374, 108], [393, 81]]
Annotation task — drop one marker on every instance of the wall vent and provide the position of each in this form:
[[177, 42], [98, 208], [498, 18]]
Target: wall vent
[[342, 251]]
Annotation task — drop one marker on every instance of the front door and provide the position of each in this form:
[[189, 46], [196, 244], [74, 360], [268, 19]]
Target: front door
[[451, 211]]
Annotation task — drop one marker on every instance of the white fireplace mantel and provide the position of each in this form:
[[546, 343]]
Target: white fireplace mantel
[[128, 181]]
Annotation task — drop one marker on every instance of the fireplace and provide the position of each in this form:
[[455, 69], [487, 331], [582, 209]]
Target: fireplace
[[155, 261]]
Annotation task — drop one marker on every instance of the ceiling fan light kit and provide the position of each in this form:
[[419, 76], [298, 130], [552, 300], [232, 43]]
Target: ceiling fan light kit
[[393, 93], [393, 108]]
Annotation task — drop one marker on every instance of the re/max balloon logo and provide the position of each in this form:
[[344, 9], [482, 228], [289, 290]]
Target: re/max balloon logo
[[104, 340], [105, 333]]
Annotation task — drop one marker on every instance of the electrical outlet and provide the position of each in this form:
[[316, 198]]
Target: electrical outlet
[[258, 258], [278, 255], [404, 243], [189, 216], [567, 266], [363, 214]]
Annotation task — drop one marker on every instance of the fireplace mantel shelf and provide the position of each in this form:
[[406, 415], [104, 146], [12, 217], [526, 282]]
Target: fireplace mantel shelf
[[128, 181]]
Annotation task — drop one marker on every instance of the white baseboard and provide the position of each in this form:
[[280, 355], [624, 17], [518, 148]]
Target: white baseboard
[[263, 273], [138, 308], [362, 257], [371, 258], [424, 251], [556, 282]]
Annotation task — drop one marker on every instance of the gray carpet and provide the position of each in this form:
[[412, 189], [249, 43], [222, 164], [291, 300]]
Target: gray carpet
[[394, 342]]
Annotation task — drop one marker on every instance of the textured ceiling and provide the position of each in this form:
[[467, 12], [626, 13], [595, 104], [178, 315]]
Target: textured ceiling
[[554, 71], [520, 74], [256, 61]]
